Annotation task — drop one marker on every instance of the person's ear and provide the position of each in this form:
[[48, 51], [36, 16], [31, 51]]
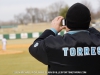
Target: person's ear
[[67, 29]]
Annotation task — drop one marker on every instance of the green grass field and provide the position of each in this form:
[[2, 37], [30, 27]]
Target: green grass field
[[22, 63]]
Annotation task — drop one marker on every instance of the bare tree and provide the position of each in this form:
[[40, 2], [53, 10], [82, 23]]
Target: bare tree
[[26, 19], [19, 18], [22, 18], [54, 9], [43, 15], [35, 15], [30, 11]]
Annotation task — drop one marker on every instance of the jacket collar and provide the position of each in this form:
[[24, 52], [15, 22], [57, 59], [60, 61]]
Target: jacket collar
[[76, 31]]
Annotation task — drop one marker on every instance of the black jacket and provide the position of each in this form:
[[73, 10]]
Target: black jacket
[[49, 49]]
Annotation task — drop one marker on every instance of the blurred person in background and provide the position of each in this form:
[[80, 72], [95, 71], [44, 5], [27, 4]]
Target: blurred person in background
[[75, 53], [4, 43]]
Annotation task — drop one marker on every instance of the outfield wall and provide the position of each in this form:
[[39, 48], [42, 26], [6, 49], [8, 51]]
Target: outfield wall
[[25, 35]]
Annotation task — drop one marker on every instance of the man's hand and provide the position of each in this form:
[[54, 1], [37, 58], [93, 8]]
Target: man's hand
[[56, 24]]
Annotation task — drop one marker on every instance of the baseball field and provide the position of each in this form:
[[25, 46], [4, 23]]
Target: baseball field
[[16, 60]]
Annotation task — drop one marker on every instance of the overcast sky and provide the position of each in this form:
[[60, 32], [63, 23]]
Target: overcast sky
[[9, 8]]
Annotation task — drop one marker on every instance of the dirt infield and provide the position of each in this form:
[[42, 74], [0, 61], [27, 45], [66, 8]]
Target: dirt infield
[[10, 52], [17, 46], [14, 47]]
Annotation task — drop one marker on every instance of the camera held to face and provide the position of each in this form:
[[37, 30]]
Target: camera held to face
[[63, 22]]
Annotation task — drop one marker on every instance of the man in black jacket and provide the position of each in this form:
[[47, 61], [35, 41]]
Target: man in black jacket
[[75, 53]]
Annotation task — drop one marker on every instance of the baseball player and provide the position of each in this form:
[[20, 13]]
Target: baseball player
[[4, 42]]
